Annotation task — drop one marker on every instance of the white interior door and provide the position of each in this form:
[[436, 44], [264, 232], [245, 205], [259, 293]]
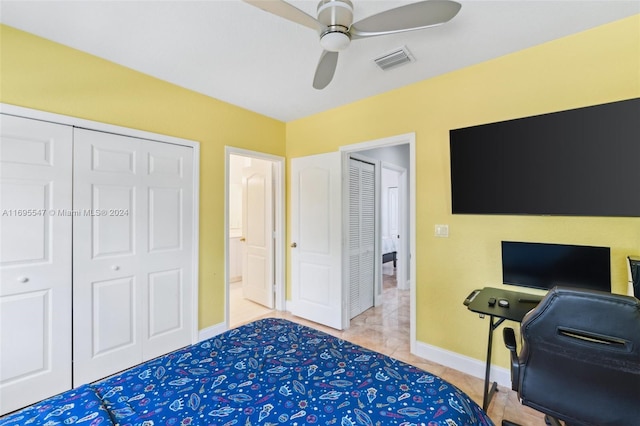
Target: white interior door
[[316, 235], [131, 252], [258, 228], [35, 261], [362, 236]]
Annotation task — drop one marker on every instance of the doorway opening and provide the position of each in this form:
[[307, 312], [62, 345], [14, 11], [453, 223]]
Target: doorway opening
[[395, 233], [320, 261], [394, 218], [254, 224]]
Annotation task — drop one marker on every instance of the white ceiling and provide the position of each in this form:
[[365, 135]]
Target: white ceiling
[[237, 53]]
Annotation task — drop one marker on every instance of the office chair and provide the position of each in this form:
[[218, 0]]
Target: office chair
[[580, 358]]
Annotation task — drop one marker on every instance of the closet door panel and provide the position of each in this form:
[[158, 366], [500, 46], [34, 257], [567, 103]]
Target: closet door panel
[[33, 312], [132, 252], [165, 214], [107, 232], [361, 236], [165, 302], [35, 260], [367, 236], [113, 228], [98, 227], [25, 221], [113, 332], [167, 256]]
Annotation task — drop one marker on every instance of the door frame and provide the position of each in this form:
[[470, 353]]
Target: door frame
[[279, 223], [141, 134], [410, 139]]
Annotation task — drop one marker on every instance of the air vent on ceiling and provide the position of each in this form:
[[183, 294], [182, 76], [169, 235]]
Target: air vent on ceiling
[[395, 58]]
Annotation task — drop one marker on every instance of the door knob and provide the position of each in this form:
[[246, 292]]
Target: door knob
[[243, 239], [294, 245], [115, 268], [23, 279]]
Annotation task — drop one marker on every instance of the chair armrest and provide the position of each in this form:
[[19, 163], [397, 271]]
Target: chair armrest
[[509, 337]]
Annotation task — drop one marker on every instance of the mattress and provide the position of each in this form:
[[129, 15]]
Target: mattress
[[388, 245], [268, 372]]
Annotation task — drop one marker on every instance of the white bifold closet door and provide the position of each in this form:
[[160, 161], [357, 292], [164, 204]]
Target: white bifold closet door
[[35, 260], [361, 236], [132, 251]]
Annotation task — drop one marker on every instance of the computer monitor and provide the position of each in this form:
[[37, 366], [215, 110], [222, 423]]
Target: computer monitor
[[544, 266]]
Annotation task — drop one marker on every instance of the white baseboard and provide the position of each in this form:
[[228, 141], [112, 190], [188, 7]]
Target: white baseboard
[[288, 305], [404, 285], [467, 365], [209, 332]]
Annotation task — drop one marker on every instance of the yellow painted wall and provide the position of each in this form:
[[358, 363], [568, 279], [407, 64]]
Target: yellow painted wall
[[596, 66], [39, 74]]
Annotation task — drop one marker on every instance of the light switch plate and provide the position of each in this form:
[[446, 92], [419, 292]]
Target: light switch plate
[[442, 231]]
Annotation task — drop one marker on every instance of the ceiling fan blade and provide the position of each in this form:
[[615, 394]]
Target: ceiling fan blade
[[415, 16], [287, 11], [325, 70]]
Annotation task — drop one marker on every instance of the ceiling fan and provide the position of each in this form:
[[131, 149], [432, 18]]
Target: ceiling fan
[[336, 28]]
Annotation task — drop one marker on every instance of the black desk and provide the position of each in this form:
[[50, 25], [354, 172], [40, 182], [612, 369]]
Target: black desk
[[519, 305]]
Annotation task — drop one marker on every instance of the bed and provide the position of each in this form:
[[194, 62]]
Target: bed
[[268, 372], [389, 250]]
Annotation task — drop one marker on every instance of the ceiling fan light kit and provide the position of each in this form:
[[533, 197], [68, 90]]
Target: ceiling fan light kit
[[336, 28], [335, 41], [337, 15]]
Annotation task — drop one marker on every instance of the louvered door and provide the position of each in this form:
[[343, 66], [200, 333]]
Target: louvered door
[[361, 236]]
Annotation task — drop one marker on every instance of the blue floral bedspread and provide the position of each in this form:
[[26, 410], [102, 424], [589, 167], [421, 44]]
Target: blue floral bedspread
[[270, 372]]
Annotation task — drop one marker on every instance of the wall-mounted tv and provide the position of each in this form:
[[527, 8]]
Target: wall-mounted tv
[[544, 266], [580, 162]]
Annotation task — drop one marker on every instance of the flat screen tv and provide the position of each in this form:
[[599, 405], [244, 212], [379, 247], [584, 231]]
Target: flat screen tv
[[580, 162], [544, 266]]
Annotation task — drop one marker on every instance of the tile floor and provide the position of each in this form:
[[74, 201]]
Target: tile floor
[[243, 310], [385, 329]]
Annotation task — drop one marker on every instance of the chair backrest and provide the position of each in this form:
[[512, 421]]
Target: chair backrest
[[580, 360]]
